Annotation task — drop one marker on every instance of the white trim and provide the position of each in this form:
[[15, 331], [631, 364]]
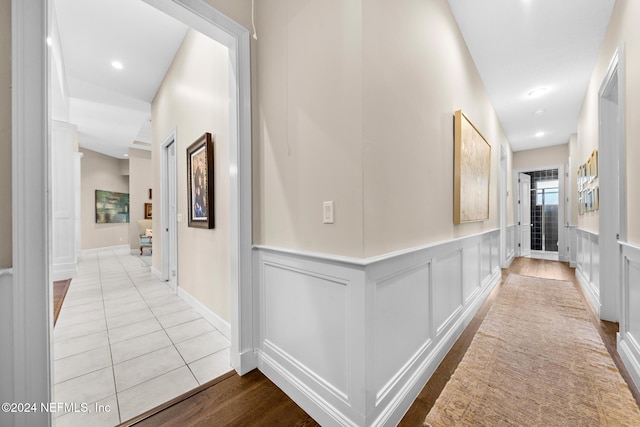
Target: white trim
[[584, 267], [32, 314], [561, 205], [6, 271], [106, 248], [170, 139], [628, 346], [628, 354], [218, 322], [207, 20], [364, 262], [412, 388], [612, 182], [156, 273], [364, 378], [502, 199]]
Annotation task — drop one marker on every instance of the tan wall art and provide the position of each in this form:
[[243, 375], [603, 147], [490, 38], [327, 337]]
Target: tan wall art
[[472, 169]]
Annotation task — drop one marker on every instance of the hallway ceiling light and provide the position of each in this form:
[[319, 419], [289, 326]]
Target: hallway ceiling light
[[539, 112], [117, 65], [538, 92], [540, 134]]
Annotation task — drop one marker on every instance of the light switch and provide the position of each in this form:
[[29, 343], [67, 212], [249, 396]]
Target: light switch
[[327, 212], [179, 217]]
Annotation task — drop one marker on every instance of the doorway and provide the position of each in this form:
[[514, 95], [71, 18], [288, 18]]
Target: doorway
[[612, 213], [169, 211], [31, 326], [540, 213]]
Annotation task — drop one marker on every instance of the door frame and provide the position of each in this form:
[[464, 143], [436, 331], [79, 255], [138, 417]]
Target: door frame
[[562, 238], [612, 213], [170, 139], [30, 332], [503, 207]]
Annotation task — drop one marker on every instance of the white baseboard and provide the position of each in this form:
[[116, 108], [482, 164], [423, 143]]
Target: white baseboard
[[587, 287], [314, 404], [156, 273], [106, 248], [220, 324], [63, 271], [630, 360]]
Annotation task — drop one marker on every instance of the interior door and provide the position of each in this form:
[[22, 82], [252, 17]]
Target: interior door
[[172, 220], [524, 213]]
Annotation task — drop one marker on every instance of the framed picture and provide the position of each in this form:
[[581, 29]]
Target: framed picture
[[596, 198], [589, 202], [472, 168], [150, 194], [111, 207], [200, 182], [147, 211], [594, 163], [580, 203]]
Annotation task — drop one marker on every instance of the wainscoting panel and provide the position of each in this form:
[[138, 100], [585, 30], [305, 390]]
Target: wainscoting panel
[[629, 336], [353, 341], [471, 266], [511, 244], [447, 290], [306, 320], [401, 300], [485, 266], [495, 253], [588, 266]]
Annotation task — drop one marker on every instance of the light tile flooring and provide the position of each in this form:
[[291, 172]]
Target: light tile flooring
[[124, 339]]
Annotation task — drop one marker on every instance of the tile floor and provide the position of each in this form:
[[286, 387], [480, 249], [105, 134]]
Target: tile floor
[[125, 340]]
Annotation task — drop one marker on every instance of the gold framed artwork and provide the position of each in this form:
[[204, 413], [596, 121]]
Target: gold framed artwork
[[594, 163], [472, 170]]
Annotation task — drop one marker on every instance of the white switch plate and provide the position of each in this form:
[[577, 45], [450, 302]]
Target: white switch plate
[[327, 212], [179, 217]]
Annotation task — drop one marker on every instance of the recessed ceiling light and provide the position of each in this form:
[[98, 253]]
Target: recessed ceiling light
[[540, 134], [539, 112], [117, 65], [538, 92], [126, 155], [49, 42]]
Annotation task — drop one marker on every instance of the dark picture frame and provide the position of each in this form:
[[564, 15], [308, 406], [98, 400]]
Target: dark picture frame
[[148, 211], [200, 182]]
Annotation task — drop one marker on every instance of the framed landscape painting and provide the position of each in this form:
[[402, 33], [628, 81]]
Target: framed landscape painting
[[200, 182], [472, 169], [111, 207]]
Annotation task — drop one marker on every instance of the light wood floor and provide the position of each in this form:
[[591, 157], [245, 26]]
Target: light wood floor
[[232, 400]]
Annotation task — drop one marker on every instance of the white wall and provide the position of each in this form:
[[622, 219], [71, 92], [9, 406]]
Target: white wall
[[529, 160], [101, 172], [140, 181], [356, 103], [194, 99]]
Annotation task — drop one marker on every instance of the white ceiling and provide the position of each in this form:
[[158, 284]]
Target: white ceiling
[[517, 46], [521, 45], [112, 108]]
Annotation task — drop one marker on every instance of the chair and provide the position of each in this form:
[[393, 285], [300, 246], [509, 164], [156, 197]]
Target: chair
[[145, 234]]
